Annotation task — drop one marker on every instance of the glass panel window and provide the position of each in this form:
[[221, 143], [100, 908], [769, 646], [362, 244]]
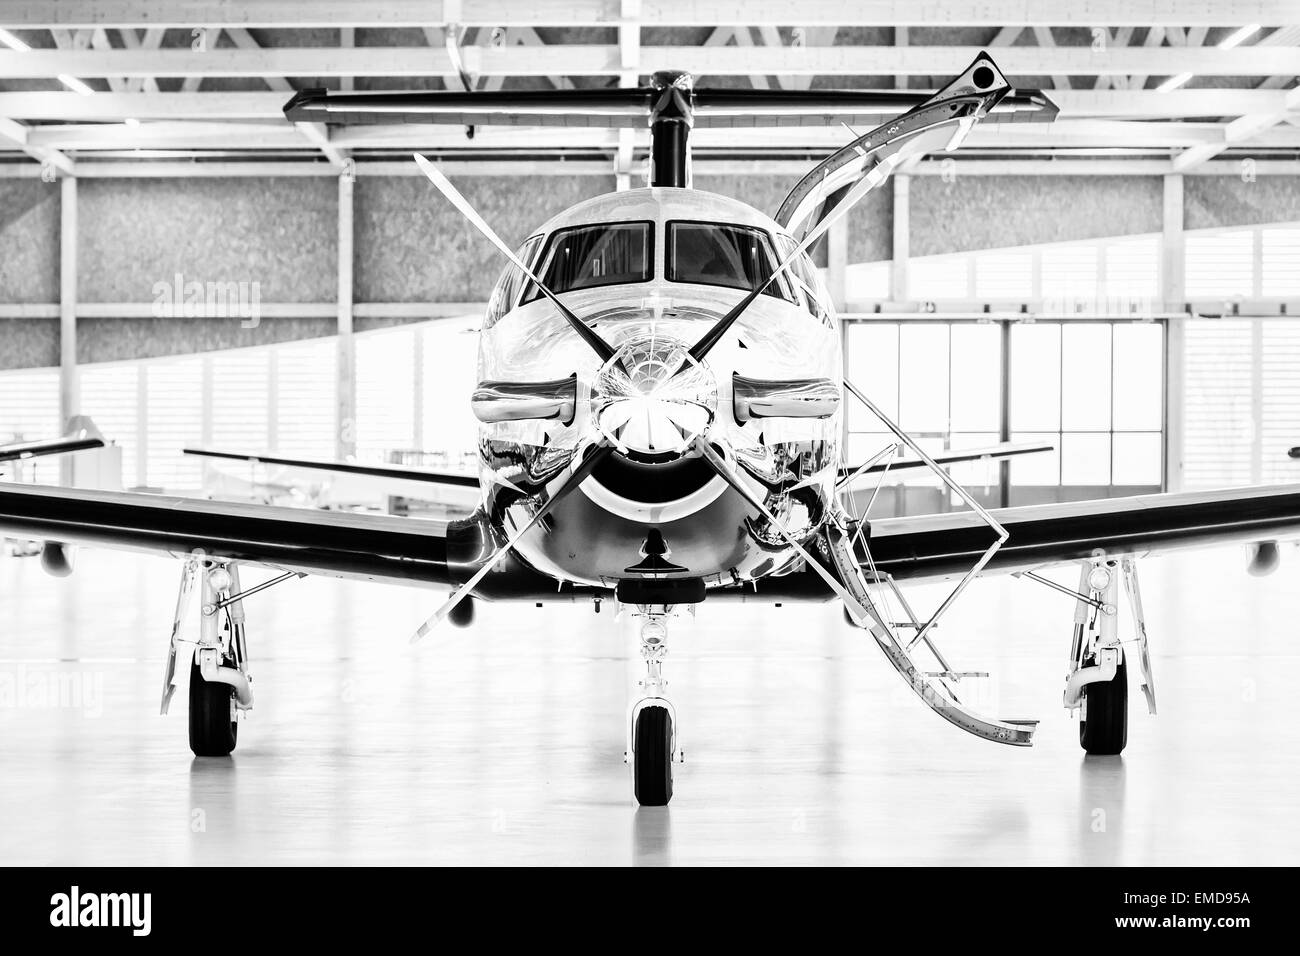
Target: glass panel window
[[1137, 458], [923, 378], [735, 257], [806, 280], [1139, 376], [1085, 376], [1085, 459], [588, 257], [976, 377], [505, 295], [1036, 377]]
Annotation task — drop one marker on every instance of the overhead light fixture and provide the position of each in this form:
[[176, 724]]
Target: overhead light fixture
[[71, 82], [1238, 37], [1233, 39], [12, 42], [1173, 82]]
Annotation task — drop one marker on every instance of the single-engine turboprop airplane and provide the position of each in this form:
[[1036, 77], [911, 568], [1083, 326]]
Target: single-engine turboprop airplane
[[661, 399]]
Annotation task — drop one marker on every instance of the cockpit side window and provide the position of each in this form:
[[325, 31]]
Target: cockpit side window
[[587, 257], [735, 257], [807, 282], [505, 294]]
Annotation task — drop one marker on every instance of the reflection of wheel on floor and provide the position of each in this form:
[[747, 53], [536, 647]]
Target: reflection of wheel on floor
[[652, 768], [212, 715], [1104, 731]]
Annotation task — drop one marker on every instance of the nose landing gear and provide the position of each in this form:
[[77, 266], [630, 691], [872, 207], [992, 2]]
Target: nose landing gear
[[652, 719]]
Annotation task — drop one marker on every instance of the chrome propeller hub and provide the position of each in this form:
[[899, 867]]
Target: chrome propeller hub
[[652, 399]]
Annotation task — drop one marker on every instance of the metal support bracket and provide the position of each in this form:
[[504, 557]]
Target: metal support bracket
[[1096, 649], [222, 654]]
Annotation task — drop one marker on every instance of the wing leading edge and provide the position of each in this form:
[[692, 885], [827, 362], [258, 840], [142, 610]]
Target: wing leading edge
[[945, 545], [341, 544]]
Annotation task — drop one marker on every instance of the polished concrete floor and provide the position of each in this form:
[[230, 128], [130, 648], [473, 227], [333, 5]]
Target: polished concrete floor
[[503, 743]]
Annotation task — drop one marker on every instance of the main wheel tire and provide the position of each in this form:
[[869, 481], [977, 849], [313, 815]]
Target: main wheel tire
[[212, 717], [1104, 732], [652, 767]]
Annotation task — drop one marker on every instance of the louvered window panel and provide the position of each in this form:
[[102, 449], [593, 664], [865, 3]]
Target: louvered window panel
[[240, 400], [1069, 278], [449, 377], [174, 419], [938, 277], [305, 374], [385, 393], [1280, 400], [1007, 274], [110, 394], [1280, 269], [1220, 264], [29, 404], [1218, 404], [868, 281], [1133, 271]]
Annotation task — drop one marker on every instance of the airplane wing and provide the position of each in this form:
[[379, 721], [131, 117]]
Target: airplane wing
[[956, 456], [937, 546], [48, 446], [414, 551], [401, 472], [340, 544]]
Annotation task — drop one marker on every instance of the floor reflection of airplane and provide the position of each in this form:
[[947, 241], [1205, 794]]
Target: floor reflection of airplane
[[661, 401]]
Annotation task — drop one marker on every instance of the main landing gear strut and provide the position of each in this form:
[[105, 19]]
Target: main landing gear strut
[[220, 688], [1097, 682], [652, 720]]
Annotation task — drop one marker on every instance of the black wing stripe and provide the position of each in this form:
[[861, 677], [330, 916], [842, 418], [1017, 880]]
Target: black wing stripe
[[49, 446], [344, 467], [1046, 534], [339, 543]]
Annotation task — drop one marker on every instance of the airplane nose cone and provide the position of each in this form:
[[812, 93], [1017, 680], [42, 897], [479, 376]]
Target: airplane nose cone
[[652, 399]]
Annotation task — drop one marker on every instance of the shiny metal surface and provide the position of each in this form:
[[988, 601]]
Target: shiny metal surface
[[803, 746], [789, 398], [521, 401]]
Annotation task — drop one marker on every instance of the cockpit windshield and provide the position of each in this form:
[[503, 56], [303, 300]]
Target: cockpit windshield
[[586, 257], [736, 257]]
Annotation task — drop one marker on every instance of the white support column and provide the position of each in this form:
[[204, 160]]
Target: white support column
[[899, 290], [346, 385], [1257, 401], [1172, 296], [69, 393]]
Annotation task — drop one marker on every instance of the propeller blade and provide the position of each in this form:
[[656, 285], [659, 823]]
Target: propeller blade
[[859, 613], [712, 337], [598, 454], [435, 175]]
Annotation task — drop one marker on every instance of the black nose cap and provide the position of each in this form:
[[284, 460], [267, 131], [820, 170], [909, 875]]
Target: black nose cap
[[654, 550]]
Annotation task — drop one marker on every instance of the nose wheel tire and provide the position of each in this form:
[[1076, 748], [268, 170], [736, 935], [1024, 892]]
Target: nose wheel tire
[[652, 764], [1104, 729], [212, 716]]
